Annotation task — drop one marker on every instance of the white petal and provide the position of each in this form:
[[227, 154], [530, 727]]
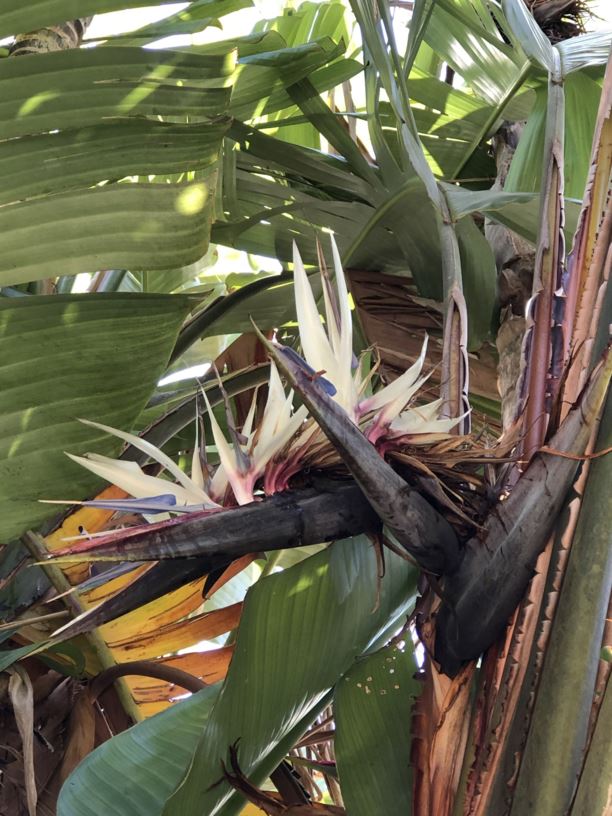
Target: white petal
[[393, 409], [247, 428], [419, 421], [333, 332], [132, 479], [395, 391], [346, 319], [119, 463], [344, 382], [198, 495], [278, 425], [315, 345], [227, 457], [197, 474], [429, 411], [263, 453], [273, 411], [219, 483]]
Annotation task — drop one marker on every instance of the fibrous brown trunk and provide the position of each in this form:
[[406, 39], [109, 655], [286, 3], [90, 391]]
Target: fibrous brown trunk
[[515, 261], [53, 38]]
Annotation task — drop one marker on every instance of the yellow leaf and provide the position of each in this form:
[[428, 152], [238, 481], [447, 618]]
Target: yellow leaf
[[158, 613], [90, 519], [209, 666], [175, 636]]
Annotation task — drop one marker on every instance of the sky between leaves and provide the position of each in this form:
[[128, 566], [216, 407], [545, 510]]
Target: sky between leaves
[[242, 21]]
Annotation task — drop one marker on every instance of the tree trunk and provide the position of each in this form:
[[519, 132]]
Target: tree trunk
[[54, 38], [515, 261]]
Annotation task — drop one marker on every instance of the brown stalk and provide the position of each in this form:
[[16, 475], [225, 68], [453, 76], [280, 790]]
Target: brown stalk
[[440, 725], [591, 258], [454, 360], [520, 660], [541, 380], [454, 382]]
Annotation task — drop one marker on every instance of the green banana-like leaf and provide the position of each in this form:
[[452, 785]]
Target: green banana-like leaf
[[311, 21], [10, 656], [78, 118], [462, 202], [66, 357], [294, 214], [75, 88], [329, 173], [300, 631], [87, 156], [466, 35], [582, 96], [524, 29], [479, 281], [262, 77], [372, 707], [587, 50], [267, 301], [173, 723], [140, 226], [146, 763], [592, 795], [522, 217], [306, 96]]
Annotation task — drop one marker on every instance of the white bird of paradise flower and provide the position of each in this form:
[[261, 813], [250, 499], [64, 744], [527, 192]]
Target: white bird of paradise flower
[[284, 438]]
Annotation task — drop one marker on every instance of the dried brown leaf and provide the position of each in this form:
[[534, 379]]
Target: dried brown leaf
[[22, 699], [81, 734], [394, 321]]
